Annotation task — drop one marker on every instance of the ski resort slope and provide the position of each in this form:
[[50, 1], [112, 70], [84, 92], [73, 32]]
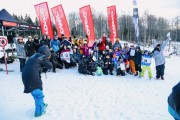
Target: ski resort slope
[[71, 96]]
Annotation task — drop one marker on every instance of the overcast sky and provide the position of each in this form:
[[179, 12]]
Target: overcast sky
[[165, 8]]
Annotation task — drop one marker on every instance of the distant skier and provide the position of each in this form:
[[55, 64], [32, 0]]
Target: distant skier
[[158, 55], [31, 77], [174, 102]]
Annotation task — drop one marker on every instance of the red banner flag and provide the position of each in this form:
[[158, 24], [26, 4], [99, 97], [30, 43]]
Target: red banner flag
[[43, 15], [112, 21], [87, 21], [60, 21]]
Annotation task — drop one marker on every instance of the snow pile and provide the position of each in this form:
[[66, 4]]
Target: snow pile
[[71, 96]]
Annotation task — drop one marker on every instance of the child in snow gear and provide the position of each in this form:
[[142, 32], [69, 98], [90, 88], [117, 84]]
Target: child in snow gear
[[158, 55], [146, 62], [100, 66], [174, 102], [31, 77], [121, 67], [108, 65]]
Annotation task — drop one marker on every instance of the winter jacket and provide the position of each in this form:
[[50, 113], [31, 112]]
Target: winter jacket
[[108, 61], [124, 53], [65, 42], [20, 48], [159, 55], [36, 44], [174, 99], [138, 57], [55, 45], [116, 56], [117, 45], [85, 50], [109, 44], [146, 60], [31, 74], [131, 54], [102, 44], [30, 48], [74, 57], [45, 42]]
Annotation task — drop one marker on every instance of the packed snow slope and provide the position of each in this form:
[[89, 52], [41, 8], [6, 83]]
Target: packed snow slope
[[72, 96]]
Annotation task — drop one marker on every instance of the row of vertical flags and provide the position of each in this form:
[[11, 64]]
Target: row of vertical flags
[[136, 21], [43, 15]]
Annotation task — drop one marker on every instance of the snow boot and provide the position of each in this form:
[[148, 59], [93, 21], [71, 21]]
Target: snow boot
[[45, 106], [136, 74], [162, 77]]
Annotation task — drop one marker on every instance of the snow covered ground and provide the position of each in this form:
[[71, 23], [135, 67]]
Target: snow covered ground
[[71, 96]]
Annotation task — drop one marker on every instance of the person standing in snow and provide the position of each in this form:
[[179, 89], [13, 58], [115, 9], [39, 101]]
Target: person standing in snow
[[137, 60], [158, 55], [31, 77], [54, 47], [21, 53], [36, 42], [174, 102], [146, 62], [30, 47]]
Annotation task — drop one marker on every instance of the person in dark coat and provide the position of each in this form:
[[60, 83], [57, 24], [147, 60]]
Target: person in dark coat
[[36, 42], [108, 43], [138, 57], [83, 67], [45, 41], [30, 47], [174, 102], [31, 77], [108, 65]]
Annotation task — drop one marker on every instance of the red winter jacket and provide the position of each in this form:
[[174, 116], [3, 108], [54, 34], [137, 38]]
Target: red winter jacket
[[102, 44]]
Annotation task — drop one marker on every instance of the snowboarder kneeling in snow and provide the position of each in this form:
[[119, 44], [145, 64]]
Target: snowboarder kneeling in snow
[[121, 69], [31, 77], [83, 67], [174, 102]]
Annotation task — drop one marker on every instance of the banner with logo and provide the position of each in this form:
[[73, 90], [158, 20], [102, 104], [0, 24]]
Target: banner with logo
[[112, 21], [136, 21], [43, 15], [88, 23], [60, 21]]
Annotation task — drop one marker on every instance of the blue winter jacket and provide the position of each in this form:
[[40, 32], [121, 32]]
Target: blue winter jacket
[[146, 60], [55, 45], [174, 99]]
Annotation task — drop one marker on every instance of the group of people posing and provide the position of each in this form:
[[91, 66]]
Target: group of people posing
[[102, 58]]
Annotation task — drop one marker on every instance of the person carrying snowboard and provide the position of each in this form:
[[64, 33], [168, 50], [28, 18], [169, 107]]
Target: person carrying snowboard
[[31, 77]]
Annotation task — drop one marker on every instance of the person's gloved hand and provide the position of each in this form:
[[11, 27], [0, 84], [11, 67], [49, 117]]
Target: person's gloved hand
[[169, 36]]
